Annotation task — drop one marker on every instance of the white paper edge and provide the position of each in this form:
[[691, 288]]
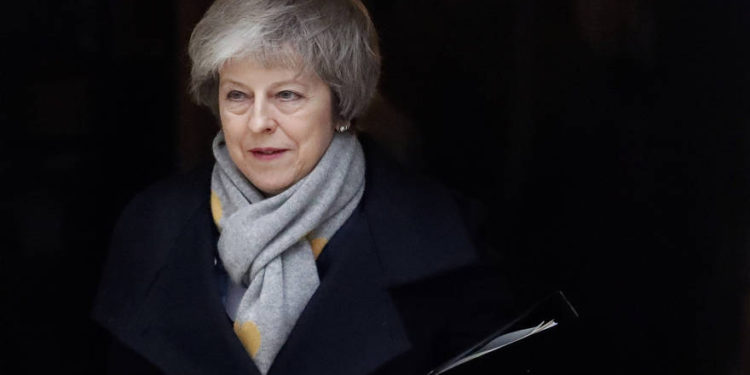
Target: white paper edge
[[500, 342]]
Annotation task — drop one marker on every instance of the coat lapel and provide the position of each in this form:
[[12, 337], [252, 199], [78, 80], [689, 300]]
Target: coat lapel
[[351, 325], [182, 327]]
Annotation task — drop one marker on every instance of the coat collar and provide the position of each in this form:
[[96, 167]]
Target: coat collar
[[400, 233], [181, 325]]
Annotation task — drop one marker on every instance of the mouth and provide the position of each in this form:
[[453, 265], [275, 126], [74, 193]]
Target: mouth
[[267, 153]]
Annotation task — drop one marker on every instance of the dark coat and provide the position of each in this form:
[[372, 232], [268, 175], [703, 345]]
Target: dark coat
[[403, 291]]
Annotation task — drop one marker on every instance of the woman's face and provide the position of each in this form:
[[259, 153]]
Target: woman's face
[[277, 122]]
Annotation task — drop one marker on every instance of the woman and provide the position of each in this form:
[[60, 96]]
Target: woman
[[300, 252]]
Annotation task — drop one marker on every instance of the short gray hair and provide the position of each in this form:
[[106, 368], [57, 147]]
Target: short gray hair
[[334, 38]]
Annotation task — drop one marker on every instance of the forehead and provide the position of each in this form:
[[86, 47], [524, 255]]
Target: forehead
[[249, 69], [271, 56]]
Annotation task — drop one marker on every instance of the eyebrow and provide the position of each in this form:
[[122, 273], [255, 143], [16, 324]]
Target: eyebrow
[[223, 82], [275, 85]]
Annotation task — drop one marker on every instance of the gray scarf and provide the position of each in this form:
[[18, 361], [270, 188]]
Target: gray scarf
[[268, 245]]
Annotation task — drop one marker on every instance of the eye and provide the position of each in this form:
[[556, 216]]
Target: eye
[[235, 95], [288, 96]]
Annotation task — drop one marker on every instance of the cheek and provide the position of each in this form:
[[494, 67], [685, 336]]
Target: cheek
[[322, 140], [313, 144], [232, 127]]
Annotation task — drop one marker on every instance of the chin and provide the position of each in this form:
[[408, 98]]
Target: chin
[[271, 191], [265, 182], [272, 187]]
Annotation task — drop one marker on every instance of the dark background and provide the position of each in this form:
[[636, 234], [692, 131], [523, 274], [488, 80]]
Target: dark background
[[608, 141]]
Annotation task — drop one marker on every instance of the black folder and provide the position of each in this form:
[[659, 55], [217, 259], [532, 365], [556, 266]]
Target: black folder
[[542, 318]]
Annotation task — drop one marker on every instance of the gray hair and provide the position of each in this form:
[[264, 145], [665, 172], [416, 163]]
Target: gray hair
[[334, 38]]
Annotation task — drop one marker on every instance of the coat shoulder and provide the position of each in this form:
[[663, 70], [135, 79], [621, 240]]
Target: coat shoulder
[[420, 227], [143, 237]]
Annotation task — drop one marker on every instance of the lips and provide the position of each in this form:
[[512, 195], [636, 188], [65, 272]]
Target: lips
[[267, 153]]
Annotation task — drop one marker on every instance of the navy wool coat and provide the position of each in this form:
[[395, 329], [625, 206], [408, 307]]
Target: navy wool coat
[[403, 290]]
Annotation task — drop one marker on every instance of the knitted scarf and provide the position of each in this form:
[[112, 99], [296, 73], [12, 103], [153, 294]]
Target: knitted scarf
[[268, 245]]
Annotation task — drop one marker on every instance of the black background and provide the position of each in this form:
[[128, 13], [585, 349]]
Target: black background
[[607, 140]]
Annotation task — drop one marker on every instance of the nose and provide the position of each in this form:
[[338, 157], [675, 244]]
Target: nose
[[260, 120]]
